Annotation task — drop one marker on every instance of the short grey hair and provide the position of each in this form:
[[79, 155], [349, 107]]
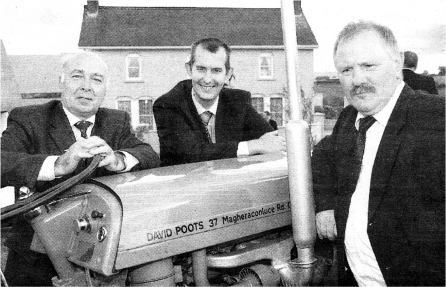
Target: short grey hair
[[67, 59], [354, 28]]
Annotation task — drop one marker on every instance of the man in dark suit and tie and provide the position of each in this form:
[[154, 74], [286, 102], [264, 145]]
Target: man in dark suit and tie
[[414, 80], [46, 144], [200, 119], [379, 178]]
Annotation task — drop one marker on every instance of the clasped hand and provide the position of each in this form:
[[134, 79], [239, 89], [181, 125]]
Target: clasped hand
[[268, 143], [87, 148], [326, 224]]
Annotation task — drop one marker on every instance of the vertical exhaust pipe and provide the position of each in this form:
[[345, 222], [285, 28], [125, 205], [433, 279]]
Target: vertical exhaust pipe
[[299, 272]]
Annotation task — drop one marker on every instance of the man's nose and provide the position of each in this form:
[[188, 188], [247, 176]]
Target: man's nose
[[207, 77], [86, 85], [359, 76]]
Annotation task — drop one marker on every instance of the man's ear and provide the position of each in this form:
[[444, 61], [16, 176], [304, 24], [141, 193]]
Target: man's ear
[[61, 80], [188, 69], [399, 64], [229, 75]]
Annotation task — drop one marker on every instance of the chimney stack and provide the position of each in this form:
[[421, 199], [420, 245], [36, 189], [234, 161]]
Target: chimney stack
[[297, 7], [92, 8]]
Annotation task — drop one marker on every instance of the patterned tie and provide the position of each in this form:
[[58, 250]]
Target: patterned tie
[[83, 126], [364, 125], [205, 118]]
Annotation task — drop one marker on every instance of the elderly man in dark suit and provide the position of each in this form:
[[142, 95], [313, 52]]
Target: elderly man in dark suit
[[200, 119], [379, 178], [414, 80], [46, 144]]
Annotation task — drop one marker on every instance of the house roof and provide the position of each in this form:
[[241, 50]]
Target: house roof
[[180, 27]]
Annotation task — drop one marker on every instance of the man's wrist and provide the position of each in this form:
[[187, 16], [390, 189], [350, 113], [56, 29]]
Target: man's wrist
[[242, 149]]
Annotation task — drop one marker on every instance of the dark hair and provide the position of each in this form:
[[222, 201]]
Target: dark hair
[[354, 28], [410, 60], [212, 45], [267, 113]]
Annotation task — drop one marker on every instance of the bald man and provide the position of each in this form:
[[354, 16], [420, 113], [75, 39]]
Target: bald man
[[46, 144]]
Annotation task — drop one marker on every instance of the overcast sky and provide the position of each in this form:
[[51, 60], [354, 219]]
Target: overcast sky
[[32, 27]]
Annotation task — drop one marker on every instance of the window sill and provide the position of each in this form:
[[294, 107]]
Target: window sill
[[133, 81], [266, 79]]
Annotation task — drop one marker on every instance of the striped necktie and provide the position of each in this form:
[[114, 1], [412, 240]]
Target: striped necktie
[[205, 118]]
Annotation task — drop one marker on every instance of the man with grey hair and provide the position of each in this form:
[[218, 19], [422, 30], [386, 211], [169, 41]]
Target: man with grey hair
[[379, 177], [46, 144], [414, 80]]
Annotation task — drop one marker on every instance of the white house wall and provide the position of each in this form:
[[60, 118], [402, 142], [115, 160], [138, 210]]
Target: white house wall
[[163, 69]]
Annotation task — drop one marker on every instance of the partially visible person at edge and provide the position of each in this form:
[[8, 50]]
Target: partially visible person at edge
[[44, 145], [388, 225], [267, 117], [200, 119], [414, 80]]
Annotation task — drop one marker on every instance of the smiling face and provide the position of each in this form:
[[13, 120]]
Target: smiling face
[[208, 74], [369, 72], [83, 85]]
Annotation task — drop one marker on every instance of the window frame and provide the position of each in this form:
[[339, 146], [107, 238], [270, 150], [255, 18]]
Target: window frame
[[258, 96], [273, 113], [270, 61], [151, 123], [124, 99], [127, 67]]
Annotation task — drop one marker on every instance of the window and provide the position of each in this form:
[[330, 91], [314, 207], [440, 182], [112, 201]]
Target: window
[[133, 67], [126, 106], [146, 113], [257, 103], [276, 106], [266, 66]]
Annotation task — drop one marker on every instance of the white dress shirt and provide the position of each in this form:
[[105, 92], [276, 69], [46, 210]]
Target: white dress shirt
[[242, 149], [46, 172], [360, 255]]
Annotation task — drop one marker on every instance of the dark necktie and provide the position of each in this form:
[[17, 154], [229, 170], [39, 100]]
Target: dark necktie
[[83, 126], [205, 118], [364, 125]]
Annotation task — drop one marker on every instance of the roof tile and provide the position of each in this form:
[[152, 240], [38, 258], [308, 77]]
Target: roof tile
[[174, 26]]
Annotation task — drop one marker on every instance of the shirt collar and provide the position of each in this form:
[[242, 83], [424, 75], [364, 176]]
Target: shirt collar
[[383, 115], [73, 119], [200, 108]]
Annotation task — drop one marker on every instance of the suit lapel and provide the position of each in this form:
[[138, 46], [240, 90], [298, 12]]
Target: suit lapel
[[345, 152], [387, 152], [99, 125], [187, 106], [60, 130], [221, 117]]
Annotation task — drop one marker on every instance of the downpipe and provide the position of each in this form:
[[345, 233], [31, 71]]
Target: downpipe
[[200, 267], [299, 272]]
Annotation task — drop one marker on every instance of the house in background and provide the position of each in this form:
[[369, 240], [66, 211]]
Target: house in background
[[10, 96], [29, 80], [38, 77], [146, 49]]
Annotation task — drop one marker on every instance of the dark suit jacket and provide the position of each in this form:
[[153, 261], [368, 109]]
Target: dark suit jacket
[[419, 82], [183, 137], [35, 132], [273, 123], [407, 194]]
